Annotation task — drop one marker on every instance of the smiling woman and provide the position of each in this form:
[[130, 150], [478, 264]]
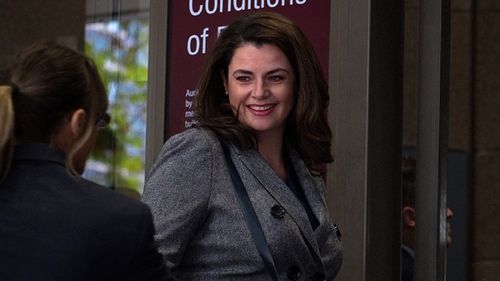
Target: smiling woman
[[260, 84], [261, 106]]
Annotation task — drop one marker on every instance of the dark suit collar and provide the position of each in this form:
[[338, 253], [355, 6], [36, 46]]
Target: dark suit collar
[[254, 162], [39, 151]]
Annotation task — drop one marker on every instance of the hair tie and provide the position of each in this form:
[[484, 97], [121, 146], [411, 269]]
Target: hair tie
[[15, 89]]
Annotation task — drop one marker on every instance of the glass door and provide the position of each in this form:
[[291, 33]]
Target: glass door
[[117, 38]]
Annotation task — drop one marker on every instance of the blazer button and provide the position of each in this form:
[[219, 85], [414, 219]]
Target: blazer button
[[277, 211], [293, 273], [337, 230]]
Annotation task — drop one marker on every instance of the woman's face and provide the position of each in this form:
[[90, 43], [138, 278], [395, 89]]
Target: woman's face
[[260, 84]]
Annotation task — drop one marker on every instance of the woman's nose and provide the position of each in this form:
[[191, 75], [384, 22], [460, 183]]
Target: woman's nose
[[261, 90]]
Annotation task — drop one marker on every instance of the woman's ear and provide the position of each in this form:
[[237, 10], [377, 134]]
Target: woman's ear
[[78, 121], [409, 216]]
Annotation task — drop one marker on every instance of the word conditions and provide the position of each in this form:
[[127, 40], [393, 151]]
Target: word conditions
[[224, 6]]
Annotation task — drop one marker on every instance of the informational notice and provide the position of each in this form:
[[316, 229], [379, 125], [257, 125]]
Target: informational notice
[[193, 26]]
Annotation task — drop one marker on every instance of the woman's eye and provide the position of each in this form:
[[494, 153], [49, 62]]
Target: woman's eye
[[276, 78], [243, 78]]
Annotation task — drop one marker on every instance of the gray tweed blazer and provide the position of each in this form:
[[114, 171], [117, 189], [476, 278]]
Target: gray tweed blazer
[[200, 227]]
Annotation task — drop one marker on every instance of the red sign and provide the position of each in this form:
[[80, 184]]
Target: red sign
[[195, 24]]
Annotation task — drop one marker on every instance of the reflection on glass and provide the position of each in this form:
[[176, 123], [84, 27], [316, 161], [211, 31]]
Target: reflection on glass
[[119, 46]]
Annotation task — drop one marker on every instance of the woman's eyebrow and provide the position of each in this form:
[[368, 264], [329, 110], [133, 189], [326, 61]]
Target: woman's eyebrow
[[243, 71], [277, 70]]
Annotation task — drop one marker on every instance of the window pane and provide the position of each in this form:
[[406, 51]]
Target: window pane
[[116, 37]]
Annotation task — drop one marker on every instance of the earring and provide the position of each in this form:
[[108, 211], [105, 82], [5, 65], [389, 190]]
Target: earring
[[227, 93]]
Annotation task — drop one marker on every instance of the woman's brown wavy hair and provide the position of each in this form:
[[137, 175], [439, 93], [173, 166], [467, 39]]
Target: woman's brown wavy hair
[[307, 126]]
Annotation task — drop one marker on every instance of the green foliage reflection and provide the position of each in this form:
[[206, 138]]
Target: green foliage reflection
[[120, 50]]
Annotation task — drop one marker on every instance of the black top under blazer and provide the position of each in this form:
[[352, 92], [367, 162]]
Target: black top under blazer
[[407, 263], [57, 227], [201, 230]]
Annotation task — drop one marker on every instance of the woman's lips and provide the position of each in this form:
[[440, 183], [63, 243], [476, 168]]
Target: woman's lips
[[261, 109]]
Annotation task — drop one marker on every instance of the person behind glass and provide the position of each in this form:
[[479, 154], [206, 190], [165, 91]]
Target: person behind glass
[[409, 219], [262, 93], [55, 225]]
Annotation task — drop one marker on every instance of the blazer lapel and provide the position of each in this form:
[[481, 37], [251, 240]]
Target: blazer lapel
[[259, 168], [309, 184]]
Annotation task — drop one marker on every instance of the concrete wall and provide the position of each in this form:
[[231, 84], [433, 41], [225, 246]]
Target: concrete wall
[[486, 182], [28, 21]]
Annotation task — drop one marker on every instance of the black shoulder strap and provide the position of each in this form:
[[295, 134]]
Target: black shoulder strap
[[250, 216]]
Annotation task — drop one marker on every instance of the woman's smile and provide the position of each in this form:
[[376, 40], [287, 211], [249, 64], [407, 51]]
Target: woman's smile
[[261, 110]]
